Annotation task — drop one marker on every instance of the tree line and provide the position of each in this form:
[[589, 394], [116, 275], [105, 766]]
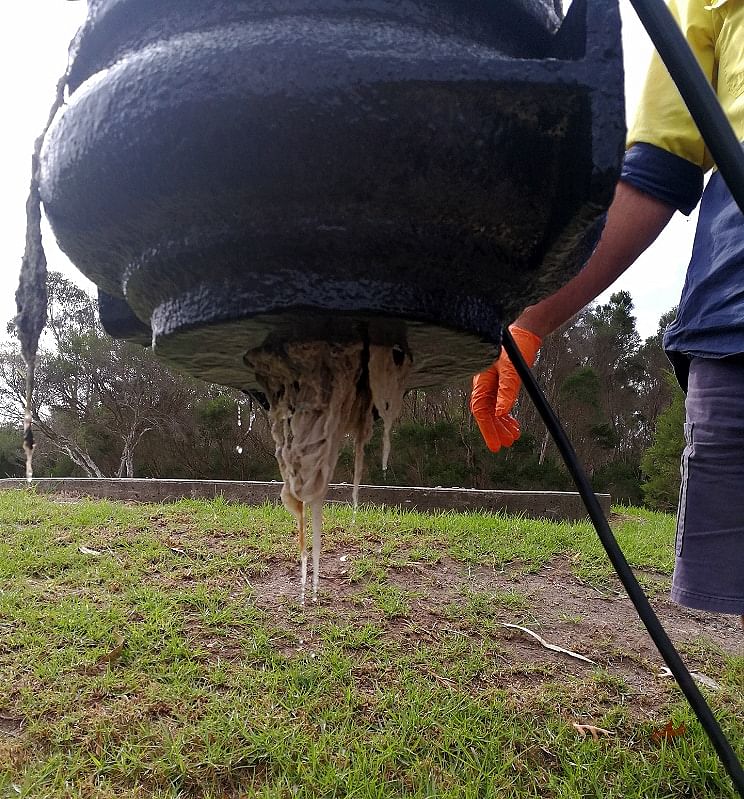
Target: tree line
[[105, 408]]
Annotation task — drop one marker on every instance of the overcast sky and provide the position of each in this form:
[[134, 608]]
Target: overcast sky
[[34, 55]]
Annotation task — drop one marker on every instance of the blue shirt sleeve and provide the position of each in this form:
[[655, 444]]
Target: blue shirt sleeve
[[668, 177]]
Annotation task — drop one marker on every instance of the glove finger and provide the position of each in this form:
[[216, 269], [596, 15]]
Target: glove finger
[[507, 432], [509, 385], [512, 425], [491, 434]]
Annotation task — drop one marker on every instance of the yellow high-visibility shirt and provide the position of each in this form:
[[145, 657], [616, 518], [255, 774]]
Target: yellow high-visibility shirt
[[666, 157], [715, 32]]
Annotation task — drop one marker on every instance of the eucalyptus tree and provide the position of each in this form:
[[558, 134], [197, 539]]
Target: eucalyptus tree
[[95, 398]]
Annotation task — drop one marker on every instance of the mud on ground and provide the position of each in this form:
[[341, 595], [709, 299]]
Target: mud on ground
[[451, 599]]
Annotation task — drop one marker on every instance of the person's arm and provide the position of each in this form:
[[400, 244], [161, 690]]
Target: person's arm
[[662, 171], [634, 221]]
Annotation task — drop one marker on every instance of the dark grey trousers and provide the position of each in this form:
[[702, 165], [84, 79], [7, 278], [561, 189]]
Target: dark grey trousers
[[709, 568]]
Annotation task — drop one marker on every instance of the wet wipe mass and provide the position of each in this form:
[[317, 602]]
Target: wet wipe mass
[[318, 393]]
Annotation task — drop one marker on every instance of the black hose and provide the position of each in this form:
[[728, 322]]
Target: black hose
[[624, 572], [696, 91]]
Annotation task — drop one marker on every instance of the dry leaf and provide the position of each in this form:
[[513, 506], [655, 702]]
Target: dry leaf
[[113, 655], [595, 732], [89, 551], [104, 660], [668, 732]]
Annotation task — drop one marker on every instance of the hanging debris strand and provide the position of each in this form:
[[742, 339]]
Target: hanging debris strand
[[31, 295]]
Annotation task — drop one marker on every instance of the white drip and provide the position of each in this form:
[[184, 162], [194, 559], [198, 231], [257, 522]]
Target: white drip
[[317, 513], [297, 509], [303, 575], [358, 469], [29, 450]]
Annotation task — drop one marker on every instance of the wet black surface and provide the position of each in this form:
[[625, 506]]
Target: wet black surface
[[236, 174]]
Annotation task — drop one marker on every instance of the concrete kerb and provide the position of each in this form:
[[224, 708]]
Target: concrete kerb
[[552, 505]]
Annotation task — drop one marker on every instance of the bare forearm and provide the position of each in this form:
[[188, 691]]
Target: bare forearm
[[634, 221]]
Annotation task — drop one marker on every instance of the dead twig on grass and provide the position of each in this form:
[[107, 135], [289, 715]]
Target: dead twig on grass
[[552, 647]]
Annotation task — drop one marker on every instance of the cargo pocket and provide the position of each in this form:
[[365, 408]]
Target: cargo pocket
[[685, 471]]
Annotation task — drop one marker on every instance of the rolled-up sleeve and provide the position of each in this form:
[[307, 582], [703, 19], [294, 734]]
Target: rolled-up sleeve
[[663, 175]]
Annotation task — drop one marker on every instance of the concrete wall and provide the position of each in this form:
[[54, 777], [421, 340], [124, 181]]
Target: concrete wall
[[554, 505]]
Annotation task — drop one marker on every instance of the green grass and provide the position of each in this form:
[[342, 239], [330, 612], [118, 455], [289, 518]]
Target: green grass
[[381, 691]]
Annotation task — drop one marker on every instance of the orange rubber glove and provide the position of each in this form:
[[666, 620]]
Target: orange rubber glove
[[495, 392]]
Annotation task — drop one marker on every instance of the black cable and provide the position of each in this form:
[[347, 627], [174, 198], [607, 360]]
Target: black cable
[[624, 572], [696, 91]]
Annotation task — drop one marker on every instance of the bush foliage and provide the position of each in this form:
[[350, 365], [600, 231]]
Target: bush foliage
[[108, 408]]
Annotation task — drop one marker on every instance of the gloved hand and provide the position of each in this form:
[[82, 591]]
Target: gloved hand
[[495, 392]]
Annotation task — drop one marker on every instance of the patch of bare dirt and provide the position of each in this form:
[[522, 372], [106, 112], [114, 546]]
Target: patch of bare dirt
[[10, 726], [600, 624]]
